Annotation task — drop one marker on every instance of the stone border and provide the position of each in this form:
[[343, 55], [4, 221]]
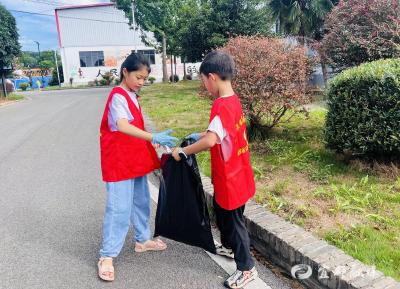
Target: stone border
[[287, 244]]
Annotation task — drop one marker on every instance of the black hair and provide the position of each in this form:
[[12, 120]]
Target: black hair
[[220, 63], [134, 62]]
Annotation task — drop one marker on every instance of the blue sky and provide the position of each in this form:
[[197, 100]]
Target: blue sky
[[37, 27]]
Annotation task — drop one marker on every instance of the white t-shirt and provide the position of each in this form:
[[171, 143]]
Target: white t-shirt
[[223, 139], [119, 109]]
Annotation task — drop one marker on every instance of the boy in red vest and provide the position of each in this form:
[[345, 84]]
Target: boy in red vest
[[231, 170]]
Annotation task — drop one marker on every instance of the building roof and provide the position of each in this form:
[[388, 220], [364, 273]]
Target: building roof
[[95, 25], [85, 6]]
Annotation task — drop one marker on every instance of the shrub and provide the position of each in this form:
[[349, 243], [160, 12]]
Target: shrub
[[176, 78], [24, 86], [54, 77], [152, 79], [104, 82], [364, 110], [360, 31], [272, 79], [107, 78]]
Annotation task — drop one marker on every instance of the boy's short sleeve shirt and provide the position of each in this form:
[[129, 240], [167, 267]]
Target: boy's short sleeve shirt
[[119, 109], [223, 139]]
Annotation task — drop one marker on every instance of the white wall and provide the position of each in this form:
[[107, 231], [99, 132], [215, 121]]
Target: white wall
[[95, 26], [113, 58]]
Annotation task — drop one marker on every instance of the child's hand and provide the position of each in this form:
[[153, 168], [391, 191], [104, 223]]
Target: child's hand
[[176, 155], [156, 146], [164, 138]]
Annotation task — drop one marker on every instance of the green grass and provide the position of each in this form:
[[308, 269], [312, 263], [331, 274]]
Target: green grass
[[375, 247], [12, 97], [356, 208]]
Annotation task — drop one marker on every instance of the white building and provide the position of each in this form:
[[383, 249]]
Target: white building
[[96, 38]]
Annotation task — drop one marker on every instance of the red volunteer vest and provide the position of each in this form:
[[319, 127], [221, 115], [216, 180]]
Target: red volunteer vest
[[233, 179], [125, 157]]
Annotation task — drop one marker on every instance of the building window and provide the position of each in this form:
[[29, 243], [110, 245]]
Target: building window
[[150, 55], [91, 58]]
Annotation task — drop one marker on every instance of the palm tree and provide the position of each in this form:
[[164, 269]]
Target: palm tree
[[303, 18]]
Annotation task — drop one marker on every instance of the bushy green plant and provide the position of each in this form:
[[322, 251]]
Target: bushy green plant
[[364, 110], [107, 78], [104, 82], [24, 86], [54, 79]]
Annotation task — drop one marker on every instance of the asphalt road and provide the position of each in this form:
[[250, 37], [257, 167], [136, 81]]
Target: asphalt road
[[52, 202]]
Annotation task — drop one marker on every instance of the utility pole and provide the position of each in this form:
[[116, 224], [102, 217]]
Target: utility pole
[[58, 74]]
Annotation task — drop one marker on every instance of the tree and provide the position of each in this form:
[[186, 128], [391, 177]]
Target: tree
[[155, 16], [54, 76], [360, 31], [195, 38], [45, 66], [9, 46], [303, 18], [206, 25], [31, 59], [28, 59]]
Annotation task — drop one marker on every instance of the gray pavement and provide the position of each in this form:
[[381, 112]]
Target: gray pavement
[[52, 202]]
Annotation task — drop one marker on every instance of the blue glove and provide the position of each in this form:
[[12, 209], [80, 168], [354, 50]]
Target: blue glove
[[195, 136], [164, 138]]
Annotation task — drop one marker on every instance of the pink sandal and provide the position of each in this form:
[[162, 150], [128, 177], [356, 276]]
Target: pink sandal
[[150, 245], [104, 271]]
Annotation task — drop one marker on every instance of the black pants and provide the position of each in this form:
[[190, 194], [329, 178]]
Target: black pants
[[234, 235]]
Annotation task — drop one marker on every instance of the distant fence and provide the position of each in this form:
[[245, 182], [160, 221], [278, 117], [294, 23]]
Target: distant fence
[[34, 84]]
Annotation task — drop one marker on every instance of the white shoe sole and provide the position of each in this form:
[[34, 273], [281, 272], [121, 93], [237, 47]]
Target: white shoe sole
[[255, 275]]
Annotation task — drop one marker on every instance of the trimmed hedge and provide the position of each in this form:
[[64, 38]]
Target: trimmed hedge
[[364, 110]]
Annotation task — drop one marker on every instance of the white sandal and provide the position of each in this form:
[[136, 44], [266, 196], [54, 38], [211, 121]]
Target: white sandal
[[103, 270]]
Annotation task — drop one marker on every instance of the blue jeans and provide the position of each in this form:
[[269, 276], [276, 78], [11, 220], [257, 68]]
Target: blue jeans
[[127, 202]]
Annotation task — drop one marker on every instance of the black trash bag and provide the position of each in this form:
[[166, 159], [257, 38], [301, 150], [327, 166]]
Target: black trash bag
[[182, 213]]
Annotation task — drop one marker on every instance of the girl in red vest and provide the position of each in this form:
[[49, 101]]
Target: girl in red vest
[[127, 156], [231, 170]]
